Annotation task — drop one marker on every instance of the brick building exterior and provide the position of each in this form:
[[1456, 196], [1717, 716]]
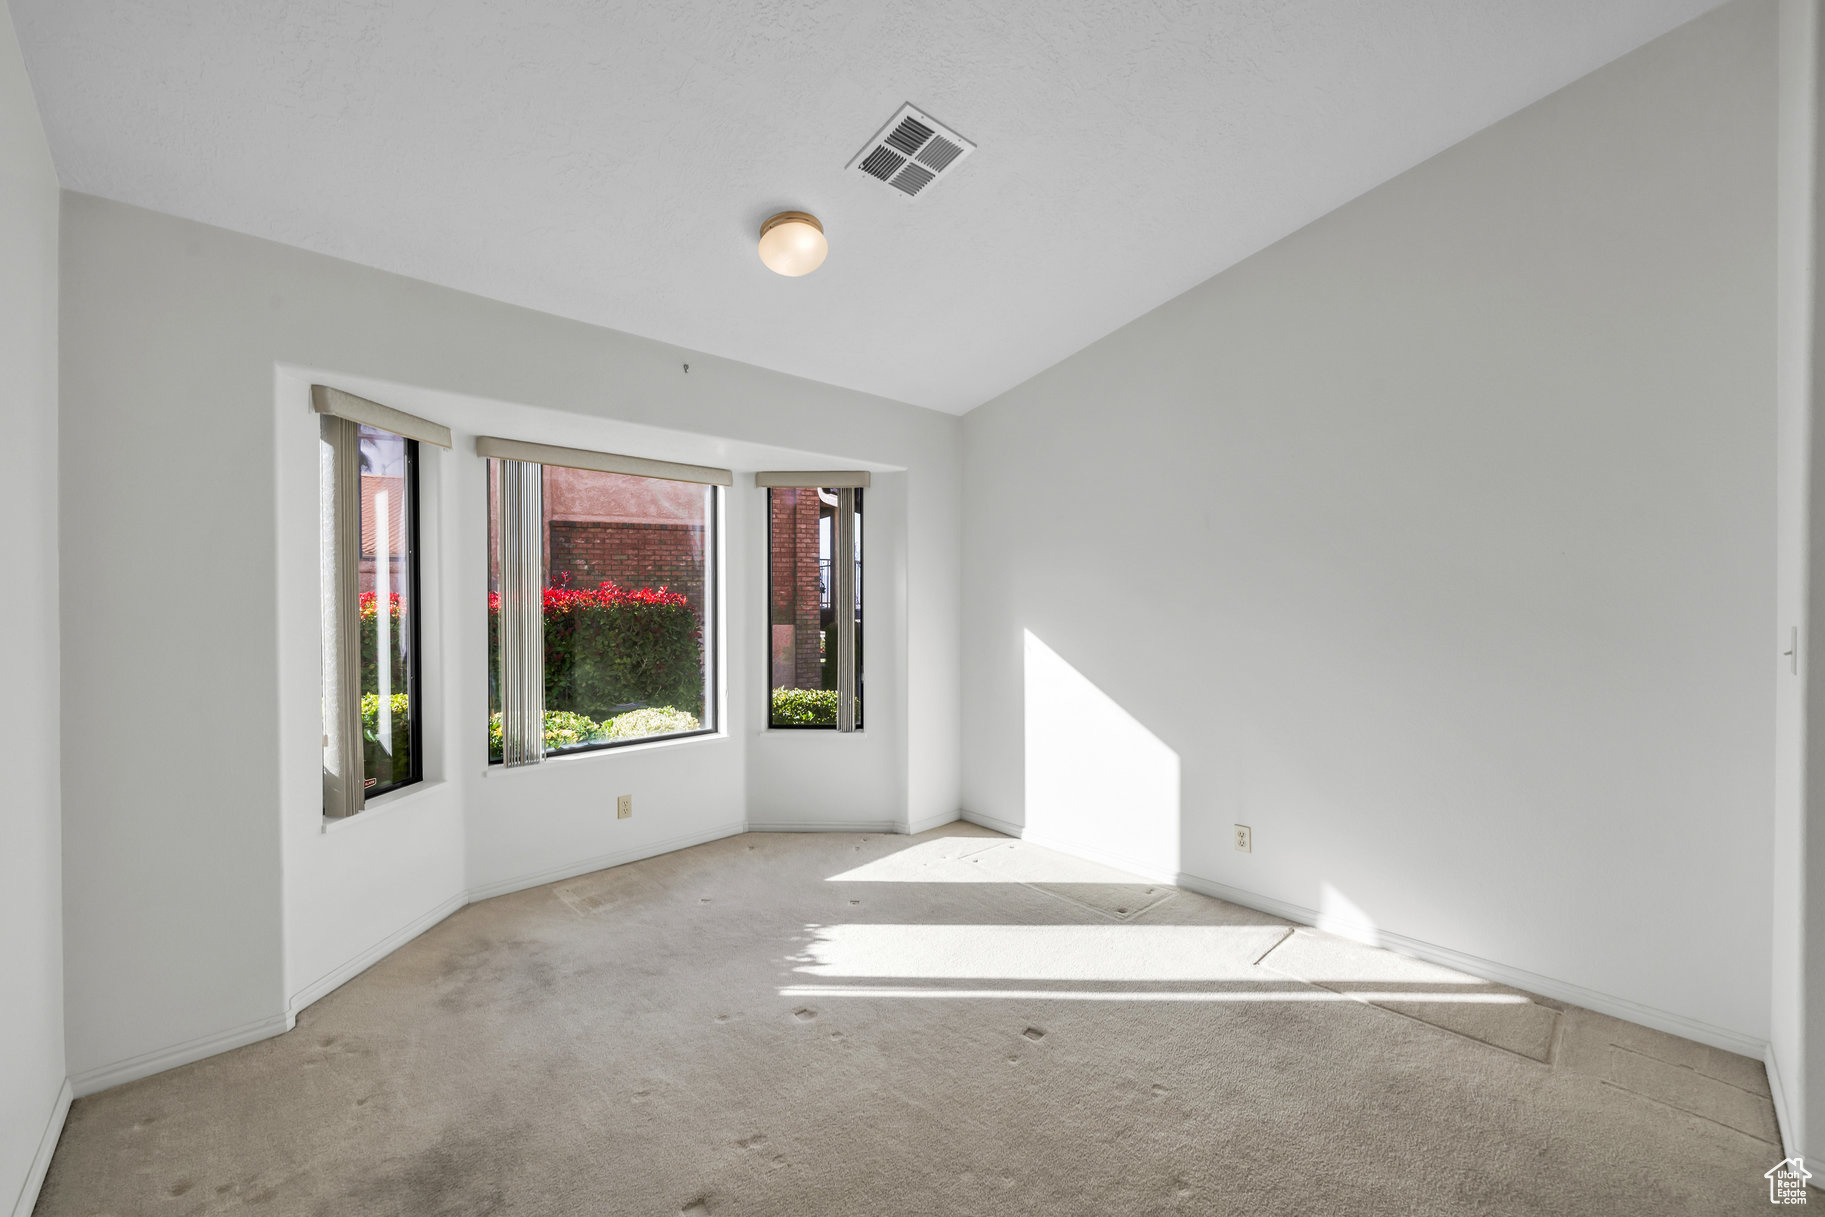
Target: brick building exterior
[[640, 532], [630, 531], [796, 587], [629, 555]]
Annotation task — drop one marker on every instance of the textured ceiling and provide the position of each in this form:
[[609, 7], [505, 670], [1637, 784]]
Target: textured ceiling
[[612, 161]]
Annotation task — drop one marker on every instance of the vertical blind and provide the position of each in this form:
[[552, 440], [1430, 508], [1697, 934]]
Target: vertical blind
[[520, 493], [843, 601], [339, 522]]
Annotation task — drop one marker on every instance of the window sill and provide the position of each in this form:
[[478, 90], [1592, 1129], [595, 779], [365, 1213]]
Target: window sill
[[389, 802], [571, 758]]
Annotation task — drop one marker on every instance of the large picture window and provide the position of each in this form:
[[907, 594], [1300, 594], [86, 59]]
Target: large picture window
[[601, 608], [368, 474], [814, 591]]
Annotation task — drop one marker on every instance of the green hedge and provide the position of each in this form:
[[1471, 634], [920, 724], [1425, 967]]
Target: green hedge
[[654, 720], [370, 640], [377, 762], [610, 647], [567, 729], [804, 707]]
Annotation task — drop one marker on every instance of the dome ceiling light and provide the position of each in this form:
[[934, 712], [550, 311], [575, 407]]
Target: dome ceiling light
[[792, 243]]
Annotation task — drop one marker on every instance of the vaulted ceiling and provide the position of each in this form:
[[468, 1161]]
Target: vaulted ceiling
[[612, 161]]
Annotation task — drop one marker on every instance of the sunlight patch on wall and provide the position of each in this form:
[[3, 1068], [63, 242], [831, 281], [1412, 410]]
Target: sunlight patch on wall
[[1339, 915], [1096, 778]]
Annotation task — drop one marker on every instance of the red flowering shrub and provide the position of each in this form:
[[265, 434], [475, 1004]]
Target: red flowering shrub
[[370, 641], [608, 648]]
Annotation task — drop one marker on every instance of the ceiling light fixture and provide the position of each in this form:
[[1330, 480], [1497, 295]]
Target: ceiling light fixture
[[792, 243]]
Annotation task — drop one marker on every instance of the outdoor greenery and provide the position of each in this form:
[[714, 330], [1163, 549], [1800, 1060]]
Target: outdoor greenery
[[567, 729], [623, 663], [609, 648], [376, 761], [370, 640], [654, 720], [804, 707]]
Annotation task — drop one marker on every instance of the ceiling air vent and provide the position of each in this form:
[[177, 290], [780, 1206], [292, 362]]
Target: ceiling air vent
[[911, 152]]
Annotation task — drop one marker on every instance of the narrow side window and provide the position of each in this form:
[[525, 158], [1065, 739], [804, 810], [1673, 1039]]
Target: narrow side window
[[367, 478], [814, 586], [369, 597]]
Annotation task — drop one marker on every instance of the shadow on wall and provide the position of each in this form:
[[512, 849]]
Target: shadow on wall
[[1097, 780]]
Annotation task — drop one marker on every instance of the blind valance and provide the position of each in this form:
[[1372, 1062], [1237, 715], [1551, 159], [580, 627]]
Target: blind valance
[[833, 479], [334, 402], [605, 462]]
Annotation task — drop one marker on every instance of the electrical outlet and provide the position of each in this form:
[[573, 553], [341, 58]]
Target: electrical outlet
[[624, 806], [1245, 839]]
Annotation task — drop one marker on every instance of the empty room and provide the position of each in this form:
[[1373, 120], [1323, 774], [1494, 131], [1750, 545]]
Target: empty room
[[961, 608]]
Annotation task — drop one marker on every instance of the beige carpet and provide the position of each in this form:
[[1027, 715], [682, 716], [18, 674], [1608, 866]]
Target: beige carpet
[[954, 1023]]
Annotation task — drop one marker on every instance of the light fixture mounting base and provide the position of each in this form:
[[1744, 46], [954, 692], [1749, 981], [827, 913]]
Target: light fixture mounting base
[[787, 217]]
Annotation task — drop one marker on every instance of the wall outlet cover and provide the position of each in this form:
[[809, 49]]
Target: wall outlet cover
[[1245, 839], [624, 806]]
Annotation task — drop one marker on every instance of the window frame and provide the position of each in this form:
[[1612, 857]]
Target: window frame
[[711, 724], [414, 618], [712, 628], [861, 582], [346, 793]]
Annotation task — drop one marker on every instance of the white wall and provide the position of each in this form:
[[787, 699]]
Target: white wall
[[31, 935], [205, 899], [356, 888], [31, 947], [1436, 543], [1797, 282]]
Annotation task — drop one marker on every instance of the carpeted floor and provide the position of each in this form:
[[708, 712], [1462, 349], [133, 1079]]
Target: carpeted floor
[[955, 1023]]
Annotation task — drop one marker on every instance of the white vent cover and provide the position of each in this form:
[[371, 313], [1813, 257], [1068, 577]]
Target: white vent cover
[[912, 151]]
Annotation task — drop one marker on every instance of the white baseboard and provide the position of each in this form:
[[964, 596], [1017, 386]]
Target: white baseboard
[[336, 977], [571, 870], [47, 1145], [160, 1059], [1623, 1008], [915, 827], [1006, 828], [1474, 965], [1790, 1144], [881, 826]]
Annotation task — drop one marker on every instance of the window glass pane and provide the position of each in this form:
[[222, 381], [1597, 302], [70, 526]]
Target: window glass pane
[[627, 612], [494, 613], [856, 608], [801, 553], [388, 582]]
